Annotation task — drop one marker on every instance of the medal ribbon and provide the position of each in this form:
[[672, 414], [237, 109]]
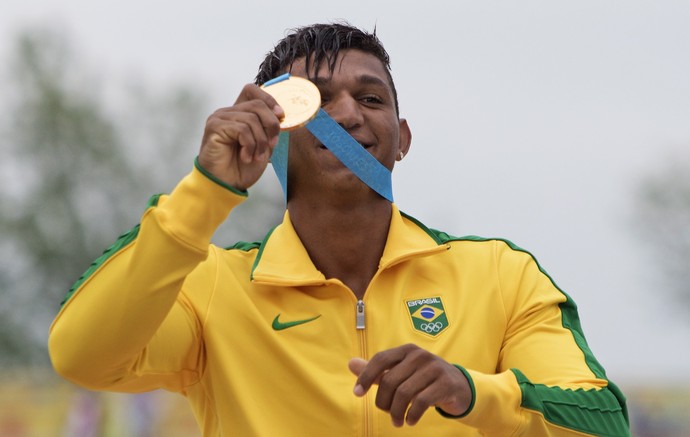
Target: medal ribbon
[[336, 139]]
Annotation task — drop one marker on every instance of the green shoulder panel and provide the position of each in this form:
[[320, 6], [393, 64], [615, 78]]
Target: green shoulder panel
[[122, 241], [244, 246]]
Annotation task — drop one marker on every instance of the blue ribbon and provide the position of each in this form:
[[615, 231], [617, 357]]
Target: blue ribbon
[[279, 160], [355, 157]]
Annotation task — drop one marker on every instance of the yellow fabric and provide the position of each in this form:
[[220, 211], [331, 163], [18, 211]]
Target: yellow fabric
[[172, 311]]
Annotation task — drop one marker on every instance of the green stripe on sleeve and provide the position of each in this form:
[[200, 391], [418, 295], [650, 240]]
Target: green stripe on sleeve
[[577, 409], [593, 411], [600, 412], [121, 242]]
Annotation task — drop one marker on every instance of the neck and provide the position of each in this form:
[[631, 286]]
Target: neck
[[344, 242]]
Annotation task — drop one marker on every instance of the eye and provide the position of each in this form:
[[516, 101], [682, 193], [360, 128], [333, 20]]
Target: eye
[[325, 96], [324, 100], [371, 99]]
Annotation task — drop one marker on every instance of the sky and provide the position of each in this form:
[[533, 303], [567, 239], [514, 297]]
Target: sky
[[532, 121]]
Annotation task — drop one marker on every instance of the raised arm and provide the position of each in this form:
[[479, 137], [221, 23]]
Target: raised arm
[[126, 324]]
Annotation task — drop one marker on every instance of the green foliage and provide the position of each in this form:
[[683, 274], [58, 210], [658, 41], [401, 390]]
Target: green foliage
[[81, 157], [663, 217], [65, 155]]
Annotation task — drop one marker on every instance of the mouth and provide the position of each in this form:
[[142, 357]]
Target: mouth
[[365, 145]]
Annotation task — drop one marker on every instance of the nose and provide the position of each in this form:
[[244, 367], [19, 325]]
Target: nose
[[345, 110]]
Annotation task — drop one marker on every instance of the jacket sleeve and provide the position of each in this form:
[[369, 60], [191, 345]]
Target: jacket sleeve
[[548, 382], [126, 325]]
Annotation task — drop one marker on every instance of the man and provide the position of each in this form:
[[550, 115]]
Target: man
[[259, 337]]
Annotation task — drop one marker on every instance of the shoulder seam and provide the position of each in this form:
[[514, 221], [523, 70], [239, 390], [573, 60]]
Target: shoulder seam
[[122, 242], [244, 246]]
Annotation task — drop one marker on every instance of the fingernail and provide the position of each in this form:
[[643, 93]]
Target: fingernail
[[359, 390], [278, 111]]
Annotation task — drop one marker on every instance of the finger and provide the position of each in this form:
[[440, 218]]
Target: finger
[[270, 124], [267, 116], [260, 133], [254, 140], [259, 107], [356, 366], [376, 367], [254, 92], [415, 392], [420, 404], [227, 132], [448, 389], [395, 387]]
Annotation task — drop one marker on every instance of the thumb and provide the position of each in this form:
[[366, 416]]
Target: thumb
[[356, 365]]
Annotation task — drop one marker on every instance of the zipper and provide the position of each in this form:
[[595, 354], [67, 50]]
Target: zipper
[[360, 315], [360, 324]]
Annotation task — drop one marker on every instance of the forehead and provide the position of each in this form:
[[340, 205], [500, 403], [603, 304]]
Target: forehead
[[349, 62]]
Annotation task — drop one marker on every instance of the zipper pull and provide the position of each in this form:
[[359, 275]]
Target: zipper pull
[[360, 314]]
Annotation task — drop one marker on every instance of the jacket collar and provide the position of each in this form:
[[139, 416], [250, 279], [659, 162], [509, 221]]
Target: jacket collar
[[283, 260]]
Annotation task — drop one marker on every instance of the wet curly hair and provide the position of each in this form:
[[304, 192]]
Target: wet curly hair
[[321, 43]]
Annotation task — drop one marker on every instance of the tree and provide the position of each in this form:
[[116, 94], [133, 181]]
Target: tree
[[78, 168], [662, 211]]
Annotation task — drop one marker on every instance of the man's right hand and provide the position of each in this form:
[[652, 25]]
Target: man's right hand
[[238, 141]]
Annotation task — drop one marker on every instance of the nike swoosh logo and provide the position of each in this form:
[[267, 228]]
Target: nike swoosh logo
[[279, 326]]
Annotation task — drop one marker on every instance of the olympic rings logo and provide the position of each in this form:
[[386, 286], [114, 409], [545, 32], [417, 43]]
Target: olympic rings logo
[[431, 328]]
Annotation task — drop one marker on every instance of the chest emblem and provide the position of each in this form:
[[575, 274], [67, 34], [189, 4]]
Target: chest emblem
[[428, 315], [277, 325]]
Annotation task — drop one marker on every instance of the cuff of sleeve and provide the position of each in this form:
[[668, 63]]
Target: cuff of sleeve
[[216, 180], [496, 403], [196, 207], [474, 396]]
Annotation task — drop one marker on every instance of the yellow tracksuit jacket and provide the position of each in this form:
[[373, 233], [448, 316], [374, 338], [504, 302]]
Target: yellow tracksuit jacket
[[258, 339]]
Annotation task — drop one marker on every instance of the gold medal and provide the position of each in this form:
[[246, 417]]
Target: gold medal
[[299, 98]]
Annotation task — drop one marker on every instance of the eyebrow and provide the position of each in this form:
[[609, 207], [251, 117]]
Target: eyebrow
[[365, 79]]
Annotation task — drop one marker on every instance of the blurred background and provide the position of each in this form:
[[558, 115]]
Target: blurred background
[[562, 126]]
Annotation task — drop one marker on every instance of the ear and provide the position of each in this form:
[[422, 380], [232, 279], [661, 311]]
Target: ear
[[405, 139]]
